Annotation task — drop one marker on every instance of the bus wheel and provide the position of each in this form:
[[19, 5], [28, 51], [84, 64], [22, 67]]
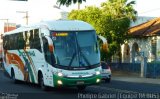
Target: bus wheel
[[82, 87], [13, 76], [41, 83]]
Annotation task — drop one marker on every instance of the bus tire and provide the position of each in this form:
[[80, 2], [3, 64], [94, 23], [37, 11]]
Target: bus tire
[[41, 82], [13, 76]]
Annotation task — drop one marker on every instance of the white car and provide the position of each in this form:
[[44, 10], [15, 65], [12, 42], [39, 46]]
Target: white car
[[106, 72]]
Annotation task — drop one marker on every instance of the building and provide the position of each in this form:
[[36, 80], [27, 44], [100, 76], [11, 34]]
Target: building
[[126, 49], [144, 42], [5, 27]]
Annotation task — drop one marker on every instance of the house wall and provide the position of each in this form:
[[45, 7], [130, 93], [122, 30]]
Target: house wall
[[158, 48], [136, 48]]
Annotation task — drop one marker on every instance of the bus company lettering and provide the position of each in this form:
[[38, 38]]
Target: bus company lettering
[[30, 53], [80, 73]]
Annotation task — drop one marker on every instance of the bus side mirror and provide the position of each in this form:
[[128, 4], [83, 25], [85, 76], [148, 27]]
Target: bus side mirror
[[105, 44], [105, 47], [50, 44], [51, 48]]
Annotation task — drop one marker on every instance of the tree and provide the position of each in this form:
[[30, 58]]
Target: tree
[[69, 2], [121, 13], [112, 21], [90, 15]]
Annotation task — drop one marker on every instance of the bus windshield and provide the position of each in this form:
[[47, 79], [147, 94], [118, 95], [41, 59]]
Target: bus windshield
[[76, 48]]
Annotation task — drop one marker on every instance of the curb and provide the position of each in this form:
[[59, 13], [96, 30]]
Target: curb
[[137, 80]]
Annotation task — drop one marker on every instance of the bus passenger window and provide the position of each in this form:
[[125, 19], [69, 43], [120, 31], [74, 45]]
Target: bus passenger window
[[21, 42], [15, 41], [31, 39], [5, 42], [8, 43], [27, 35], [37, 44]]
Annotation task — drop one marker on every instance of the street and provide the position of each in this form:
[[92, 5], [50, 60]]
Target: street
[[113, 90]]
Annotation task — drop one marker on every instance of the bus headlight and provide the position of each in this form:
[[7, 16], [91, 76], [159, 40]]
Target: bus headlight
[[98, 80], [97, 72], [59, 82], [60, 74]]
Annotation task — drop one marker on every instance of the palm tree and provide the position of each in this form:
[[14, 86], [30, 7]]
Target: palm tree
[[119, 8], [69, 2]]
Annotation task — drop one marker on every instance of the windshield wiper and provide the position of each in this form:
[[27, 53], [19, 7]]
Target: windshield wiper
[[73, 56], [81, 54], [84, 57]]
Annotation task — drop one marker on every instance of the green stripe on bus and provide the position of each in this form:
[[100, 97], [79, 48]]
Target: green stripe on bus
[[31, 61], [74, 81], [29, 68]]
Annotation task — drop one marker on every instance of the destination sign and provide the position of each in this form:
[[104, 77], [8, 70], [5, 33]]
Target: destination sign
[[60, 34]]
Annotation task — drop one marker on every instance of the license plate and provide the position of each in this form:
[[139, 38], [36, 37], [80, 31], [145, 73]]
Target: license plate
[[80, 82]]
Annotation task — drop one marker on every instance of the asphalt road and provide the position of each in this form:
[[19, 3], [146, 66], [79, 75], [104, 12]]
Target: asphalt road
[[113, 90]]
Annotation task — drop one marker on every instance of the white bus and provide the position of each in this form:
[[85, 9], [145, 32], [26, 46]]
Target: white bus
[[53, 53]]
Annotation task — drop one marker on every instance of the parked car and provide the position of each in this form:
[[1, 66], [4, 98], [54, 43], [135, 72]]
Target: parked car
[[106, 72]]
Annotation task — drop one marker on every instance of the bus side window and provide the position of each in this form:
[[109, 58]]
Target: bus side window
[[26, 38], [31, 39], [37, 44], [21, 42], [8, 43], [15, 42], [5, 42]]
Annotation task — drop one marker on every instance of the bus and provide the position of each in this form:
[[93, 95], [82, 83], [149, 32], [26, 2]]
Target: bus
[[53, 54]]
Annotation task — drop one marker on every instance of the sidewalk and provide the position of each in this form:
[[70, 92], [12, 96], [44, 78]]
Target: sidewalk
[[130, 77]]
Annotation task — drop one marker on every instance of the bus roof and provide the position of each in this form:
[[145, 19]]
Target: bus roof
[[68, 25], [56, 25]]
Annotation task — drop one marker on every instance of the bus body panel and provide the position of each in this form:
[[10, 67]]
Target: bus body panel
[[76, 77], [28, 62]]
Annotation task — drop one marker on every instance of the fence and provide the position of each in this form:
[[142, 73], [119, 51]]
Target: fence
[[153, 69]]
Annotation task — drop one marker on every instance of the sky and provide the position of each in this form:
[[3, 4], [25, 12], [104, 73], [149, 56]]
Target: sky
[[148, 8], [39, 10]]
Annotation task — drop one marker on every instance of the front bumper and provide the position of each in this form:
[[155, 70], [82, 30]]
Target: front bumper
[[106, 76], [76, 81]]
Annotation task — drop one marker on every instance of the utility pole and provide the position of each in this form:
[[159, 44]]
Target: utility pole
[[78, 6], [26, 16]]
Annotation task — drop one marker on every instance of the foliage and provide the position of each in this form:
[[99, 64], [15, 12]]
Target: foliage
[[112, 21], [69, 2]]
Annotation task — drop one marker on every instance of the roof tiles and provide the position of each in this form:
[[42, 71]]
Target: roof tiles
[[149, 28]]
